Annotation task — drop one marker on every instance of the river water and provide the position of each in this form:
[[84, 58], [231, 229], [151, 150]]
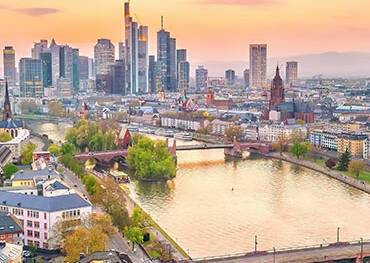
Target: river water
[[215, 207]]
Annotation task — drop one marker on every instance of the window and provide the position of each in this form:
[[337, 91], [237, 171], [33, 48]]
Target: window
[[29, 233], [21, 222], [45, 216], [29, 223], [45, 245], [45, 236], [30, 243], [36, 234], [36, 224], [37, 244], [45, 226]]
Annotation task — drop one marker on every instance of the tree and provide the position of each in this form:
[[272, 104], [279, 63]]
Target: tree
[[344, 160], [55, 149], [331, 163], [135, 235], [9, 169], [27, 153], [281, 143], [206, 130], [5, 137], [355, 167], [90, 183], [299, 149], [297, 136], [56, 109], [84, 240], [234, 131], [28, 107], [137, 217], [151, 160], [68, 149]]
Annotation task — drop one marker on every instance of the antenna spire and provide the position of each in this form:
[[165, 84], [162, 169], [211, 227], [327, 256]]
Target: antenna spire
[[162, 22]]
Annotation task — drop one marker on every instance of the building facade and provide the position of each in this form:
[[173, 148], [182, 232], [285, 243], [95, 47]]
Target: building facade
[[291, 72], [201, 78], [10, 71], [257, 65], [31, 77], [103, 56], [230, 77]]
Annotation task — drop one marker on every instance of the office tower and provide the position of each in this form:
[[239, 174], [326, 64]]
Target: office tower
[[103, 56], [201, 78], [143, 60], [84, 67], [47, 74], [10, 72], [38, 48], [246, 78], [230, 77], [76, 69], [64, 87], [183, 70], [277, 91], [152, 75], [166, 60], [117, 73], [257, 65], [291, 73], [66, 62], [91, 68], [121, 51], [30, 77], [136, 54], [55, 60]]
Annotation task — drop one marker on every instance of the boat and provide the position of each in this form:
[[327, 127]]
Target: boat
[[184, 136], [165, 133], [133, 128]]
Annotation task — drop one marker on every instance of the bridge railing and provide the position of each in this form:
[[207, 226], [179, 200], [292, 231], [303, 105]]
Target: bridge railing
[[284, 250]]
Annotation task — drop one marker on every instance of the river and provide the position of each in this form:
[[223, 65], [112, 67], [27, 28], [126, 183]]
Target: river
[[215, 207]]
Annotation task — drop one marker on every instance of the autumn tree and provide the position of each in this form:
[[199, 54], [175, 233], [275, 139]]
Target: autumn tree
[[55, 149], [5, 137], [56, 109], [281, 144], [355, 167], [234, 131], [28, 107]]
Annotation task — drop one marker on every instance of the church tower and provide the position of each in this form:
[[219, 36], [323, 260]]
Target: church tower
[[7, 113], [277, 91]]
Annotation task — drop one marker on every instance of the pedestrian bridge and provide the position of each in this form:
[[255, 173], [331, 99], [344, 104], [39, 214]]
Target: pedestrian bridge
[[355, 251]]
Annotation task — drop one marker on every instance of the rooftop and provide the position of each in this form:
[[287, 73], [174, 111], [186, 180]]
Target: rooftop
[[42, 203], [8, 224], [108, 257], [31, 174]]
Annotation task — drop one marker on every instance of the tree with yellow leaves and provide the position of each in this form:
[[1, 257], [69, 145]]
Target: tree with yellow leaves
[[355, 167]]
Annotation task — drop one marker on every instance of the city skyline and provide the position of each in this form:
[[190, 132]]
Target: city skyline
[[261, 21]]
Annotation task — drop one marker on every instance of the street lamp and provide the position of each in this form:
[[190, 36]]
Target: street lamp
[[338, 229], [255, 244]]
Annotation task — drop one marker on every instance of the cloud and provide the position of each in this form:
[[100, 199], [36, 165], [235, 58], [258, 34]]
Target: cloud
[[239, 2], [35, 11], [38, 11]]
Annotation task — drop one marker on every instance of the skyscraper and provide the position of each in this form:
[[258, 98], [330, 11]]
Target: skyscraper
[[121, 51], [38, 48], [47, 76], [201, 78], [173, 65], [183, 70], [152, 75], [68, 65], [30, 77], [76, 69], [103, 56], [136, 54], [291, 73], [257, 65], [246, 78], [84, 67], [117, 73], [10, 71], [55, 60], [230, 77]]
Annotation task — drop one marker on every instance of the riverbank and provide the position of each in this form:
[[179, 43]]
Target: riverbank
[[360, 185]]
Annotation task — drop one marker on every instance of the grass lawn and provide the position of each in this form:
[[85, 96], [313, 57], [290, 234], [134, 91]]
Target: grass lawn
[[364, 176]]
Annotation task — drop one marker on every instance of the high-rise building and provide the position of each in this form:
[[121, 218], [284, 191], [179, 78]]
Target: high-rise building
[[152, 75], [257, 65], [69, 65], [136, 54], [201, 78], [143, 60], [55, 60], [47, 74], [277, 91], [117, 73], [103, 56], [38, 48], [183, 70], [30, 77], [230, 77], [166, 61], [121, 51], [64, 87], [76, 69], [291, 72], [10, 71], [84, 67], [246, 78]]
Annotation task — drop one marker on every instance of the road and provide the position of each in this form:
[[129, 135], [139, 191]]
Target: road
[[318, 254]]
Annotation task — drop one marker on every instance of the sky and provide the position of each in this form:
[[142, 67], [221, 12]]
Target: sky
[[211, 30]]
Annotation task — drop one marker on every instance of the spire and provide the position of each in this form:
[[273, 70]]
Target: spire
[[7, 114], [162, 27], [277, 70]]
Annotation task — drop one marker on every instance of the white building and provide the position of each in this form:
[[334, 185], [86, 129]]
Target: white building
[[177, 122], [16, 144], [219, 127], [271, 133], [39, 214]]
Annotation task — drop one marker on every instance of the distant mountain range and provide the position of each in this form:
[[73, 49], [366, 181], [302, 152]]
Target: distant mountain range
[[329, 64]]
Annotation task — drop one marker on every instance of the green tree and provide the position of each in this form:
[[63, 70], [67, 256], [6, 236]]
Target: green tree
[[135, 235], [68, 149], [9, 169], [90, 183], [151, 160], [299, 149], [27, 152], [355, 167], [5, 137], [55, 149], [344, 160]]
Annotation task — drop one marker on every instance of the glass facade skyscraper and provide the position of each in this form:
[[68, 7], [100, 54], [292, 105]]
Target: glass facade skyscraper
[[30, 77], [10, 71]]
